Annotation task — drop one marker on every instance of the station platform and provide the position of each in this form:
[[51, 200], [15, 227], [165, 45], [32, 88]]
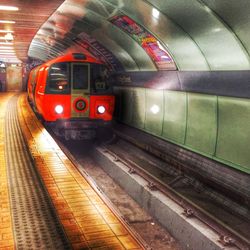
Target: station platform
[[45, 202]]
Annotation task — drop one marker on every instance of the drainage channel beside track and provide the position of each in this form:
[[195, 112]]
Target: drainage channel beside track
[[227, 221]]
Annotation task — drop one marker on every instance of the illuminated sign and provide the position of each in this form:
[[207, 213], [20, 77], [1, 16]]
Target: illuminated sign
[[147, 41]]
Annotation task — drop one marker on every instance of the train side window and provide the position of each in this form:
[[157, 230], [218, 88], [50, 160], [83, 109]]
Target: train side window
[[58, 78], [80, 76]]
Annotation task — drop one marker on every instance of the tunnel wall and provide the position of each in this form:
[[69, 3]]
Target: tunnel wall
[[212, 125], [14, 78]]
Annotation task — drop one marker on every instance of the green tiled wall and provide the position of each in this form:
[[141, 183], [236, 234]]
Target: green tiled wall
[[217, 127], [201, 123], [154, 122], [234, 131], [174, 124], [139, 113]]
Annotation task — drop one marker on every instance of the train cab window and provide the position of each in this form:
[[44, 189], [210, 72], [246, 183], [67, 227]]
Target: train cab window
[[80, 76], [58, 79], [99, 79]]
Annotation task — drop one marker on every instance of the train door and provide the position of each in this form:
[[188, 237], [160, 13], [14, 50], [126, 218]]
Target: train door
[[80, 90], [33, 84]]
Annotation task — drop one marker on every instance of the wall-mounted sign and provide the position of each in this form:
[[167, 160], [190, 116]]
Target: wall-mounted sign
[[147, 41], [98, 50]]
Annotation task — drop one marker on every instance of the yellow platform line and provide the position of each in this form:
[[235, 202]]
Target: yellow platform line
[[6, 232], [86, 219]]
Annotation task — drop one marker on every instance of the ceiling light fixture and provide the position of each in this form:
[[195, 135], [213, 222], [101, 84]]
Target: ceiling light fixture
[[8, 53], [8, 57], [7, 21], [207, 9], [155, 13], [6, 31], [6, 43], [11, 8], [6, 48], [9, 37], [4, 51], [155, 109]]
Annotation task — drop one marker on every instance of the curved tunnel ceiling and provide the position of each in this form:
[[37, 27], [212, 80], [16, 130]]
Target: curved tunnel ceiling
[[23, 24], [190, 35]]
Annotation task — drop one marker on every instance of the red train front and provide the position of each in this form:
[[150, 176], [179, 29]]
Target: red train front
[[71, 93]]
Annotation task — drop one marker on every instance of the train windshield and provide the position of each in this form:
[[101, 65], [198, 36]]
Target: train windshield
[[99, 79], [80, 76], [58, 79], [62, 75]]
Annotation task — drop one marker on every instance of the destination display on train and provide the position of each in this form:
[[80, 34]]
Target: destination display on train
[[147, 41]]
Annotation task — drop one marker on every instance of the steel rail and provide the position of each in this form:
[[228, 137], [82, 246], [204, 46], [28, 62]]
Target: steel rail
[[227, 235], [102, 195]]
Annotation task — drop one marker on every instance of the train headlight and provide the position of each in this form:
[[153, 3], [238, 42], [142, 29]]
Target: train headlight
[[101, 109], [59, 109]]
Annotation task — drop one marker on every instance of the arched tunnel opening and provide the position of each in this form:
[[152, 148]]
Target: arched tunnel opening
[[155, 93]]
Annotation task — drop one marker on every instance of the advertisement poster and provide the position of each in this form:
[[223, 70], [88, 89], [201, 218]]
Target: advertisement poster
[[147, 41], [98, 50]]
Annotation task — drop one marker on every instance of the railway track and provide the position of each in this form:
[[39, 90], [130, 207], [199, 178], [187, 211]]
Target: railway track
[[179, 188], [137, 221], [196, 199]]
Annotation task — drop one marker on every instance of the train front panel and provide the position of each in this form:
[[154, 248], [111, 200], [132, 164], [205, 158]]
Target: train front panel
[[72, 94]]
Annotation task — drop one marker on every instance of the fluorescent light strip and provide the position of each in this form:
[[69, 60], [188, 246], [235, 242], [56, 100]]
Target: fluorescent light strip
[[11, 8], [5, 48], [6, 43], [4, 58], [6, 31], [7, 21], [4, 38], [155, 13], [9, 37], [8, 53], [9, 50]]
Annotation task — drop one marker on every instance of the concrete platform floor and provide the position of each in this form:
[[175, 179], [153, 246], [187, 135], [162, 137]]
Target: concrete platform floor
[[87, 222]]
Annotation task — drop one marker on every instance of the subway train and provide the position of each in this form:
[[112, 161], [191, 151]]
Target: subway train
[[72, 96]]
